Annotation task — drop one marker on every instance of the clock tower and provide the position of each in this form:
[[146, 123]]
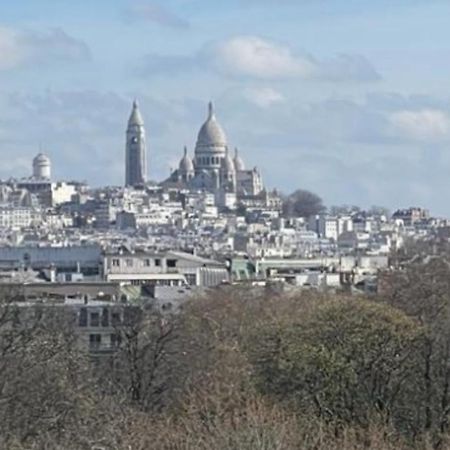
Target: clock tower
[[136, 152]]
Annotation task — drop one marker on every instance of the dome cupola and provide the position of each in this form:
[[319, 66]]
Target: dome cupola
[[211, 135], [41, 167]]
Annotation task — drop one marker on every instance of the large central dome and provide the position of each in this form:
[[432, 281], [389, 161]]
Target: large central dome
[[211, 135]]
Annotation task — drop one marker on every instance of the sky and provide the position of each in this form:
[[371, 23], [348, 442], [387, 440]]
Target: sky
[[347, 98]]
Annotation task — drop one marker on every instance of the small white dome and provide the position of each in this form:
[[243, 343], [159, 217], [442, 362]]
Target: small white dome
[[41, 159], [186, 164], [238, 162], [227, 163], [41, 166]]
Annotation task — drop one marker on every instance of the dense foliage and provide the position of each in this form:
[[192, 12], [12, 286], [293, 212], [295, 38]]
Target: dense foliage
[[302, 203]]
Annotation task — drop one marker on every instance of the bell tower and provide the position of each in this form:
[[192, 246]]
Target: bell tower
[[136, 151]]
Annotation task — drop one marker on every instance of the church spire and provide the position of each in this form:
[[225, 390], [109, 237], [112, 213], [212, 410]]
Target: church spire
[[135, 116], [211, 110]]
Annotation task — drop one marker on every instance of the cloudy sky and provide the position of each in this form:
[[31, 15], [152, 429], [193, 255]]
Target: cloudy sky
[[347, 98]]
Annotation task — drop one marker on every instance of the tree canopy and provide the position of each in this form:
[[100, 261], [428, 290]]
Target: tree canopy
[[302, 203]]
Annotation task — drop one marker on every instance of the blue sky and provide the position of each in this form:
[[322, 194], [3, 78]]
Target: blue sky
[[347, 98]]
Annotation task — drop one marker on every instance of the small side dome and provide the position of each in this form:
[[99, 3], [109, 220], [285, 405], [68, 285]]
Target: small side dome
[[238, 162], [186, 164], [227, 163]]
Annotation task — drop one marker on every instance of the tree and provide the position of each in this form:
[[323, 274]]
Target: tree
[[377, 210], [422, 290], [141, 368], [347, 361], [302, 203], [48, 398]]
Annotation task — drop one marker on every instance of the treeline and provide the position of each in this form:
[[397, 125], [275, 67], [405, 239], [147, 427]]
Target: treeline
[[240, 371]]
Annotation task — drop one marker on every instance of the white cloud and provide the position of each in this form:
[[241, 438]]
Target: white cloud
[[19, 47], [422, 124], [255, 57], [260, 59], [263, 97]]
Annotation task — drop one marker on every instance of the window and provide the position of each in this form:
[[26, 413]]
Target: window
[[95, 319], [129, 262], [105, 317], [171, 263], [95, 341], [157, 262], [116, 262], [147, 262], [82, 318]]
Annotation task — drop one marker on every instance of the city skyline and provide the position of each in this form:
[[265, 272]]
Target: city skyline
[[317, 98]]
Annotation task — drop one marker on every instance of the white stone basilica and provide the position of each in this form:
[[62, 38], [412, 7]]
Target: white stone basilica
[[213, 169]]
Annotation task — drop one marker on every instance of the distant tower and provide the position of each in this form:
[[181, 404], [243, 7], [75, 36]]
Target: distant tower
[[136, 153], [41, 167]]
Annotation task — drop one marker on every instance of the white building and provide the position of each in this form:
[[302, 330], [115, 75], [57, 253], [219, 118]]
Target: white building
[[171, 268], [19, 217], [330, 227]]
